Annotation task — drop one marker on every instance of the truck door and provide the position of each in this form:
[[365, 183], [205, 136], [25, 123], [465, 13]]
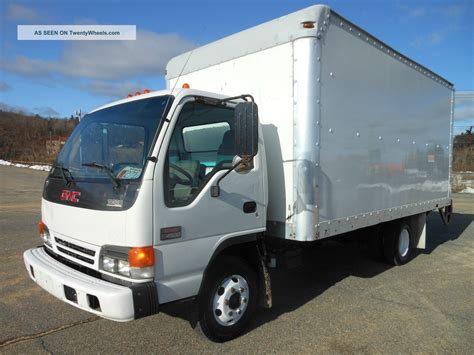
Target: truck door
[[188, 222]]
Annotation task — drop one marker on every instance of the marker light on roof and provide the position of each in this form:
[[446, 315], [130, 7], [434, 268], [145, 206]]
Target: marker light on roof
[[146, 91], [185, 86]]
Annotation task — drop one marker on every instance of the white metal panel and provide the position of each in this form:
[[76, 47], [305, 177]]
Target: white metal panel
[[90, 226], [369, 91], [132, 227], [385, 130], [268, 77], [282, 30], [259, 38], [204, 222], [116, 301], [306, 118]]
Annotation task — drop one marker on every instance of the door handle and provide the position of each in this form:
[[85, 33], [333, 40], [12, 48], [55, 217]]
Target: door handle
[[250, 207]]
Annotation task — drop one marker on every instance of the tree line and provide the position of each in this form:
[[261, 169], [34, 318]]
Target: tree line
[[463, 151], [23, 137]]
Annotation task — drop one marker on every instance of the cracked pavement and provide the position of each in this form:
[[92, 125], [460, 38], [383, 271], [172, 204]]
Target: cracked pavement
[[339, 301]]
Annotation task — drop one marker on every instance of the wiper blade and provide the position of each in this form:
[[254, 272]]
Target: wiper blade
[[67, 180], [108, 171]]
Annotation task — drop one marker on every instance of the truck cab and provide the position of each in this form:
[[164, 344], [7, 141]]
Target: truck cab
[[145, 196]]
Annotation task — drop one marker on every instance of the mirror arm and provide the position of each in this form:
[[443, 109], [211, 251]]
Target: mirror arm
[[215, 189], [243, 97], [216, 102]]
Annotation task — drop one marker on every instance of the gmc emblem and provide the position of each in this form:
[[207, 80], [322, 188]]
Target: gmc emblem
[[70, 196]]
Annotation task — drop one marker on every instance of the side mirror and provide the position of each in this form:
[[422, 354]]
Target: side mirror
[[246, 130], [246, 138]]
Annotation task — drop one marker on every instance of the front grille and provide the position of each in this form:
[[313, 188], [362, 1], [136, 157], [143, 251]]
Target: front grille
[[75, 247], [84, 269], [76, 256]]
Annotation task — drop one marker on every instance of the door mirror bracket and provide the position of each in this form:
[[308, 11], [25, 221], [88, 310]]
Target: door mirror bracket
[[215, 189]]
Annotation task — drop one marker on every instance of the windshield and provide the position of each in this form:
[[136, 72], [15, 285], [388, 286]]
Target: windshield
[[113, 143]]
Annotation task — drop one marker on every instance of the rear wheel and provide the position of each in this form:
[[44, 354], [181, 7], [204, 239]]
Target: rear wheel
[[227, 300], [398, 243]]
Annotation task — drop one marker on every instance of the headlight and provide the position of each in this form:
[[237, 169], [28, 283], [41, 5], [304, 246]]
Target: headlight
[[123, 268], [136, 263], [108, 264]]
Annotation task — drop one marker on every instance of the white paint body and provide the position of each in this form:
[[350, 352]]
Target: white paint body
[[318, 120]]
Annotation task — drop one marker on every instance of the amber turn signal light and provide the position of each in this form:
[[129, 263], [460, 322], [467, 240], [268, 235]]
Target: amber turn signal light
[[308, 24], [141, 257]]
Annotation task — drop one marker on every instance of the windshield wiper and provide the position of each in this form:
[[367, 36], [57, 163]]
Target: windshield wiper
[[68, 181], [108, 171]]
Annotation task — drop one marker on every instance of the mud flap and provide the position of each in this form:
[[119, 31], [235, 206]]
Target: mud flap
[[264, 282], [446, 213], [418, 228], [422, 236]]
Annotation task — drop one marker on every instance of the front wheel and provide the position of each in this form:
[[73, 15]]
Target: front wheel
[[227, 300]]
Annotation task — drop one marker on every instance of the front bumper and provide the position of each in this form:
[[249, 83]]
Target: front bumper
[[106, 299]]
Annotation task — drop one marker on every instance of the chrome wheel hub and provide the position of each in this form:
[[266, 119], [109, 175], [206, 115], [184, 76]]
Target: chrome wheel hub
[[230, 300], [404, 242]]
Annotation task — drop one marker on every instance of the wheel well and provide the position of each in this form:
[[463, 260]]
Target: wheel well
[[246, 249]]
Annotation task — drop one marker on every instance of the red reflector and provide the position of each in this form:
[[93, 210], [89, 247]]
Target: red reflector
[[41, 228], [308, 24]]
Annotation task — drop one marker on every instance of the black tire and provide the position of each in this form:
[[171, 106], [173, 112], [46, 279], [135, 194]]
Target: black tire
[[223, 268], [391, 242]]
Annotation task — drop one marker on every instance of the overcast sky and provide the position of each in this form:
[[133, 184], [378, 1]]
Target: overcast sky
[[55, 78]]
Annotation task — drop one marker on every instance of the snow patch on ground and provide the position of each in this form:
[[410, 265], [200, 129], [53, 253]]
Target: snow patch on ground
[[468, 190], [41, 167], [462, 182], [34, 167]]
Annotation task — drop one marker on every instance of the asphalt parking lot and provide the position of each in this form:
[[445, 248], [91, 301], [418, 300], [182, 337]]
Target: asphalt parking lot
[[342, 302]]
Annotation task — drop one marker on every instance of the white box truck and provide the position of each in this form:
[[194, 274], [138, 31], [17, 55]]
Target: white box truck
[[300, 129]]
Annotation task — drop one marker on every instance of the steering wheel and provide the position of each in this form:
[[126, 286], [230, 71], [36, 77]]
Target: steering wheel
[[189, 179]]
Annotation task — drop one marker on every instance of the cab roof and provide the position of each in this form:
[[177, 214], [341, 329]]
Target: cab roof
[[178, 94]]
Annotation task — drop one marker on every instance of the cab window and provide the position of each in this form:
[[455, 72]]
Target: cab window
[[202, 144]]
